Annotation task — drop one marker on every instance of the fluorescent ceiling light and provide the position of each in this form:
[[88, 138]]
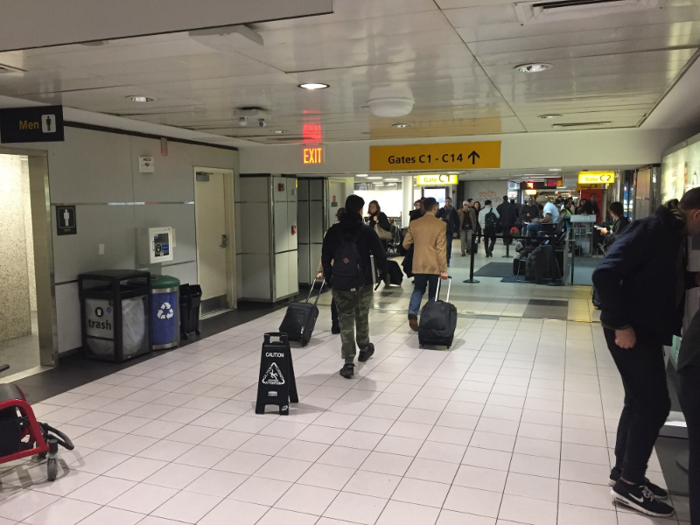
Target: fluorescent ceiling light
[[374, 178], [551, 115], [391, 180], [361, 175], [401, 125], [313, 86], [554, 169], [140, 98], [280, 131], [533, 68]]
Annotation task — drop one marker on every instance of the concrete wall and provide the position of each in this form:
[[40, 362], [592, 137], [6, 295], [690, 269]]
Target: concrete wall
[[99, 173], [15, 302], [562, 149]]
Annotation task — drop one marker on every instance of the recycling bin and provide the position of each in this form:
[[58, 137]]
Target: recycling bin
[[165, 312], [115, 307], [190, 302]]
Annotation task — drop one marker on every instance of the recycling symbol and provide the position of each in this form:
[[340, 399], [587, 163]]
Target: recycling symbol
[[273, 376], [165, 311]]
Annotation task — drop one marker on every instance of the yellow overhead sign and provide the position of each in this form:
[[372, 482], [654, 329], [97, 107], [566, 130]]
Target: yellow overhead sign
[[596, 177], [458, 155], [436, 180]]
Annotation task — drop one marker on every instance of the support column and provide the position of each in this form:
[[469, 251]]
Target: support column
[[407, 185]]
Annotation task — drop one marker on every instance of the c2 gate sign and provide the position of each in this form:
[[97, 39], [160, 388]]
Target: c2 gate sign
[[596, 177], [458, 155]]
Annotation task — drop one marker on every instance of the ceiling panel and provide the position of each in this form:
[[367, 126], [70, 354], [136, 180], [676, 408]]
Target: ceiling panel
[[456, 57]]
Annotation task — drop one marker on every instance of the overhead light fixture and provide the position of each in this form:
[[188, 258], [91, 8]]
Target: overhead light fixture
[[550, 115], [228, 38], [280, 131], [401, 125], [581, 124], [533, 68], [140, 98], [374, 178], [361, 175], [554, 169], [391, 180], [313, 86]]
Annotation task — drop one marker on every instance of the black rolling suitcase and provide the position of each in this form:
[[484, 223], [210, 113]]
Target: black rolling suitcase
[[300, 319], [438, 321], [395, 273]]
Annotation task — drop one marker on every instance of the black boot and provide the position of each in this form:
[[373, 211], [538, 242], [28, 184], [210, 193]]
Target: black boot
[[348, 370]]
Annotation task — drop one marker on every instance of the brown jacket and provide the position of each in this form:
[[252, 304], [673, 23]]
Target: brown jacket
[[470, 214], [429, 235]]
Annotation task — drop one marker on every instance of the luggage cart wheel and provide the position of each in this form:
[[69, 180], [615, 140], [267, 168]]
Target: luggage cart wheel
[[198, 332], [52, 468]]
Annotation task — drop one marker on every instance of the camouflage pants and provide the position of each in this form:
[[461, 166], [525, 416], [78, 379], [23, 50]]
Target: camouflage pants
[[353, 311]]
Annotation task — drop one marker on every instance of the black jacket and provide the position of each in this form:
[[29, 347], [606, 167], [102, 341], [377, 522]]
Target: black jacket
[[415, 214], [534, 212], [383, 221], [451, 217], [618, 227], [508, 216], [641, 282], [368, 243]]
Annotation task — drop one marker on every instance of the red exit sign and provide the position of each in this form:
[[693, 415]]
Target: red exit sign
[[313, 155]]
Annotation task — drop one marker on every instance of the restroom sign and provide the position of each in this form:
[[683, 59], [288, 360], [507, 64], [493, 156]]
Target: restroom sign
[[66, 222], [34, 124]]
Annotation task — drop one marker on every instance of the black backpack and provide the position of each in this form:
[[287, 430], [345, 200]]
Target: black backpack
[[491, 221], [348, 275]]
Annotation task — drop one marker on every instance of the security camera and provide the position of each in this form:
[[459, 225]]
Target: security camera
[[262, 122], [243, 121]]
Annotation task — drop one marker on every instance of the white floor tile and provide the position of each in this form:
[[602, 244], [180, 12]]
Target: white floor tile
[[362, 509], [107, 515], [473, 501], [420, 492], [187, 506], [62, 512], [261, 491], [245, 513], [21, 505], [372, 484], [408, 514], [102, 490], [307, 499], [175, 476], [283, 469], [288, 517], [216, 483], [327, 476], [528, 511], [143, 498]]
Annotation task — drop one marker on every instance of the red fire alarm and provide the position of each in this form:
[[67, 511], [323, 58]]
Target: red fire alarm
[[280, 186], [294, 230]]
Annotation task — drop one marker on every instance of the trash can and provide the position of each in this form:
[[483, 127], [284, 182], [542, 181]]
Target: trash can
[[165, 312], [115, 308], [190, 301]]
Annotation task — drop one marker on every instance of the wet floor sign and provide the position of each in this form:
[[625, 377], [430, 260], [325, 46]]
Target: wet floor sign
[[277, 384]]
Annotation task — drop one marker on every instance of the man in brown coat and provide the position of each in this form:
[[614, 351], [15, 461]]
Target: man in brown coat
[[428, 235]]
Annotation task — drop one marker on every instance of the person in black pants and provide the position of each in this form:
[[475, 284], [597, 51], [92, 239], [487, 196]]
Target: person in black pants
[[506, 212], [641, 285], [689, 394]]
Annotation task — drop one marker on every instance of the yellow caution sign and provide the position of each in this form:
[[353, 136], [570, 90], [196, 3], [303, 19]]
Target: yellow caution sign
[[596, 177], [454, 156]]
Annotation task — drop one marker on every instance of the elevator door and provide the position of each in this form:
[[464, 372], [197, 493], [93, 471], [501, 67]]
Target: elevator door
[[212, 238]]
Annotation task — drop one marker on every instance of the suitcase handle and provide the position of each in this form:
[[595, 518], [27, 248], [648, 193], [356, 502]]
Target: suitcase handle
[[323, 282], [284, 339], [449, 289]]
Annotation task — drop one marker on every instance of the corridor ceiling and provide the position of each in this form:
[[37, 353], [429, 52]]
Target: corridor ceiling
[[610, 69]]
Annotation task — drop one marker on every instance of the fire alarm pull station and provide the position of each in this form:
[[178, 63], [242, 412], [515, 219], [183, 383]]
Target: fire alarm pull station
[[155, 245], [294, 230]]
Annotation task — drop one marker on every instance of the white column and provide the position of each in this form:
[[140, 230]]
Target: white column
[[407, 185]]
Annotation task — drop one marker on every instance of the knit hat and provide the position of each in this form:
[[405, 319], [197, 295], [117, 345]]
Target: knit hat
[[542, 199]]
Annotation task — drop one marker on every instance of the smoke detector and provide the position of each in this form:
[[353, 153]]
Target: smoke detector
[[391, 101]]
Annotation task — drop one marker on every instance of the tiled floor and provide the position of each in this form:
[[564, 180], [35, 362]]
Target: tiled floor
[[513, 425]]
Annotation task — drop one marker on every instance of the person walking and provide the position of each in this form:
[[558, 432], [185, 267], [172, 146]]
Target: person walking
[[449, 215], [347, 264], [648, 261], [428, 237], [479, 229], [377, 218], [463, 213], [489, 221], [417, 212], [620, 222], [509, 218], [335, 323]]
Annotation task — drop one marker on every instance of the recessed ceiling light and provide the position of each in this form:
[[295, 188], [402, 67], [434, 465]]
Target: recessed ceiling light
[[402, 125], [361, 175], [140, 98], [374, 178], [551, 115], [391, 180], [280, 131], [312, 86], [533, 68], [554, 169]]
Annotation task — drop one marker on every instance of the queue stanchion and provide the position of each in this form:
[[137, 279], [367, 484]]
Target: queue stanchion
[[471, 279], [507, 255]]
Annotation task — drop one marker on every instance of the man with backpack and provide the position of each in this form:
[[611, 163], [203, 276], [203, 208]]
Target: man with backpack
[[347, 265], [489, 219], [429, 238]]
